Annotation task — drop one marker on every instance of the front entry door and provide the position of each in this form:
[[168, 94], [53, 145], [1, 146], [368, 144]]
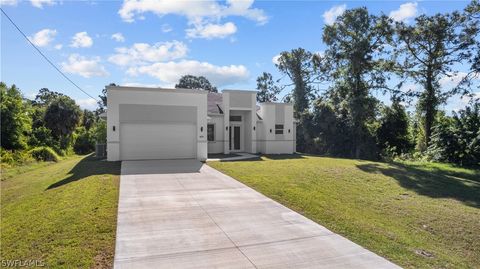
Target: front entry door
[[234, 137]]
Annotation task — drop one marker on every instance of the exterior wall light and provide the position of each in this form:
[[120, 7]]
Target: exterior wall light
[[201, 129], [114, 128], [254, 128], [226, 128], [270, 130], [288, 130]]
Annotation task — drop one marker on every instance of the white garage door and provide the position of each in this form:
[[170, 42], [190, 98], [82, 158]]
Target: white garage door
[[157, 141]]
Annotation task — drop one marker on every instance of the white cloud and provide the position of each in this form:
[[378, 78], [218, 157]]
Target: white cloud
[[451, 80], [40, 3], [457, 103], [58, 46], [275, 59], [8, 2], [170, 72], [405, 12], [209, 31], [81, 40], [43, 37], [118, 37], [84, 67], [166, 28], [331, 15], [193, 10], [142, 53], [89, 103]]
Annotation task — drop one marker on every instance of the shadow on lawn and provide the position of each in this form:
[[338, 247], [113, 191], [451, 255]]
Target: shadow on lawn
[[436, 183], [88, 166]]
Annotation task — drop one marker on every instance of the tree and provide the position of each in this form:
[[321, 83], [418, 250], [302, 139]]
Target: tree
[[45, 97], [196, 83], [100, 132], [62, 117], [88, 119], [393, 132], [298, 66], [430, 49], [267, 90], [330, 133], [15, 122], [84, 141], [42, 136], [102, 104], [443, 144], [353, 64], [472, 12], [467, 131], [456, 139]]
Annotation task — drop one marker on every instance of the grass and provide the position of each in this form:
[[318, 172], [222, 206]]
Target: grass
[[416, 215], [63, 214]]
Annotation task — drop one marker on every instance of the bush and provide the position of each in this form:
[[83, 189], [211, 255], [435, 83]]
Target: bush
[[457, 139], [15, 157], [100, 132], [392, 134], [84, 142], [42, 136], [7, 157], [44, 154]]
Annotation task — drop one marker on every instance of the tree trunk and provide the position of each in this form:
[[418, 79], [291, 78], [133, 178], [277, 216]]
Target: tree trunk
[[430, 108]]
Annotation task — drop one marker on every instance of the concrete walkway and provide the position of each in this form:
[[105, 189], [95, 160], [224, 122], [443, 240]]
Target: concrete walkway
[[185, 214], [241, 156]]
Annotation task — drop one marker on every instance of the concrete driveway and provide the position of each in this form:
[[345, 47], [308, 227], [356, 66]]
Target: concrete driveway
[[184, 214]]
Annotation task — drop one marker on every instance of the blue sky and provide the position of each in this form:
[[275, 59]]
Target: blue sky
[[153, 43]]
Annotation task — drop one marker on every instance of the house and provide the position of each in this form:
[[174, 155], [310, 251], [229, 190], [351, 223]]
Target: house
[[155, 123]]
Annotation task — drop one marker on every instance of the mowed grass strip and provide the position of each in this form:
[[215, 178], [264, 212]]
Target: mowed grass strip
[[416, 215], [62, 214]]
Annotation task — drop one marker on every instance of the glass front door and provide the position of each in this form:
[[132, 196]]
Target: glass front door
[[234, 137]]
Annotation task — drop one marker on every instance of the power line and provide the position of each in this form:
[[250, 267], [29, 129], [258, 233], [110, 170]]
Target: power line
[[45, 57]]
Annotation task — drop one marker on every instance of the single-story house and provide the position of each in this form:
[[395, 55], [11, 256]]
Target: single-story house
[[156, 123]]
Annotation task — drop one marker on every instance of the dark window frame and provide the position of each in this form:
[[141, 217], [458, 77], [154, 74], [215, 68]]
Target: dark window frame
[[236, 118], [210, 136], [279, 128]]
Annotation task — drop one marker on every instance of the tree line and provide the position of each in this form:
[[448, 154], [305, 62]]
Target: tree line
[[334, 92], [49, 126]]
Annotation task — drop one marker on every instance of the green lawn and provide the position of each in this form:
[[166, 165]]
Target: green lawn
[[416, 215], [63, 214]]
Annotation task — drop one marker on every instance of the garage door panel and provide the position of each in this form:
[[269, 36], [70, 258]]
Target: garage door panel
[[140, 141]]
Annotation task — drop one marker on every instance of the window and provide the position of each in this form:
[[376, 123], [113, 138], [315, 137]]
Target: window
[[211, 132], [235, 118], [278, 128]]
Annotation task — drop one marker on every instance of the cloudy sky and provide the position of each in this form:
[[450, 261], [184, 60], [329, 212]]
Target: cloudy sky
[[153, 43]]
